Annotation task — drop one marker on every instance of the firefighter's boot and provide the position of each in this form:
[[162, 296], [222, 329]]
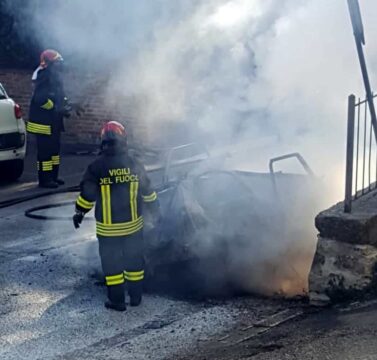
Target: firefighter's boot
[[114, 306], [116, 298], [135, 300], [55, 170], [45, 175], [135, 290]]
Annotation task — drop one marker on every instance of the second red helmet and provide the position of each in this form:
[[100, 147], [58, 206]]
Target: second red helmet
[[50, 56], [113, 130]]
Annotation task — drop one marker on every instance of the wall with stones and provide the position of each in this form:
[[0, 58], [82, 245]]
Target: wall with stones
[[345, 263]]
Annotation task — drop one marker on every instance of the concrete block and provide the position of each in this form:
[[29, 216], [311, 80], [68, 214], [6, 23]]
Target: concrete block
[[341, 271], [358, 227]]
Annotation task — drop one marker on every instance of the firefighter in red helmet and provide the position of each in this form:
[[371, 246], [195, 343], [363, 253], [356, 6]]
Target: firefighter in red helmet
[[48, 107], [119, 188]]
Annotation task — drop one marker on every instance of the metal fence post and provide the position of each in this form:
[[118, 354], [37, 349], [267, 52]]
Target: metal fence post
[[358, 31], [349, 158]]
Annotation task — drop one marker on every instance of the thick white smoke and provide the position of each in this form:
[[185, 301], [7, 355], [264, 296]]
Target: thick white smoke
[[225, 69], [241, 70], [257, 77]]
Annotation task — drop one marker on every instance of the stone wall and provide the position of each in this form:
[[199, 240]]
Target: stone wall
[[344, 265]]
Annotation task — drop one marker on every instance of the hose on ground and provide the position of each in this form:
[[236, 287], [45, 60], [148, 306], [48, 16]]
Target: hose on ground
[[25, 198], [30, 213]]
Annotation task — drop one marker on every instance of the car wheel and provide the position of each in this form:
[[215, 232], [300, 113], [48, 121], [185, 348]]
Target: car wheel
[[13, 169]]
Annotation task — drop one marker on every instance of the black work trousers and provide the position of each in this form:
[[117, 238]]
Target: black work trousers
[[48, 156], [122, 261]]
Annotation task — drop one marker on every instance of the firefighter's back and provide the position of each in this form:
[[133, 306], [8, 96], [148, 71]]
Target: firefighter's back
[[118, 206], [117, 185]]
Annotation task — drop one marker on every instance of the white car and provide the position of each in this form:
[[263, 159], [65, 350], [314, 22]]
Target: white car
[[12, 138]]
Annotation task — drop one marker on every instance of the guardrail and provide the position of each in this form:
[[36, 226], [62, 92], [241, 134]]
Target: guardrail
[[361, 158]]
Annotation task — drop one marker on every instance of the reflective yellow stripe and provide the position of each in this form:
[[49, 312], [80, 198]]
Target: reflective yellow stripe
[[150, 198], [106, 204], [55, 160], [135, 279], [122, 232], [84, 203], [114, 279], [46, 165], [119, 232], [112, 283], [120, 226], [38, 128], [38, 131], [120, 229], [138, 278], [134, 275], [48, 105], [103, 197], [133, 199]]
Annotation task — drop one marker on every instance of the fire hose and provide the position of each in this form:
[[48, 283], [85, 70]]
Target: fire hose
[[30, 213], [25, 198]]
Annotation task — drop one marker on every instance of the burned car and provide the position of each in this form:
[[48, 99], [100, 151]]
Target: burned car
[[223, 228]]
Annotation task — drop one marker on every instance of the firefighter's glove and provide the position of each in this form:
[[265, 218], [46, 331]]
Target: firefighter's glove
[[78, 109], [65, 110], [78, 218]]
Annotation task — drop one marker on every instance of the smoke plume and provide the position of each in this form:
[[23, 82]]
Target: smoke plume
[[255, 78]]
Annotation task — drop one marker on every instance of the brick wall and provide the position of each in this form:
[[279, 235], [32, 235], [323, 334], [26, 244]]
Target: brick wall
[[17, 83], [92, 91]]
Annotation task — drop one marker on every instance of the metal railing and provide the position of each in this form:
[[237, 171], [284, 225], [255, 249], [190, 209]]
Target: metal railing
[[361, 160]]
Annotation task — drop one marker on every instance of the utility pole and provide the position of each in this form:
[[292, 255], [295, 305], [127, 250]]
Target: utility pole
[[358, 31]]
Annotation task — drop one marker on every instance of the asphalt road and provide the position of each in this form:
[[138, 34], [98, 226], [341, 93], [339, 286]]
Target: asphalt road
[[52, 308], [331, 334], [72, 168], [51, 303]]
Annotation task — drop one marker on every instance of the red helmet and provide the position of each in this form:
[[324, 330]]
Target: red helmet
[[113, 130], [50, 56]]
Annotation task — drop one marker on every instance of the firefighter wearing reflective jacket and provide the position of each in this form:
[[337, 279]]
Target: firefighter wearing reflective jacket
[[48, 107], [119, 187]]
